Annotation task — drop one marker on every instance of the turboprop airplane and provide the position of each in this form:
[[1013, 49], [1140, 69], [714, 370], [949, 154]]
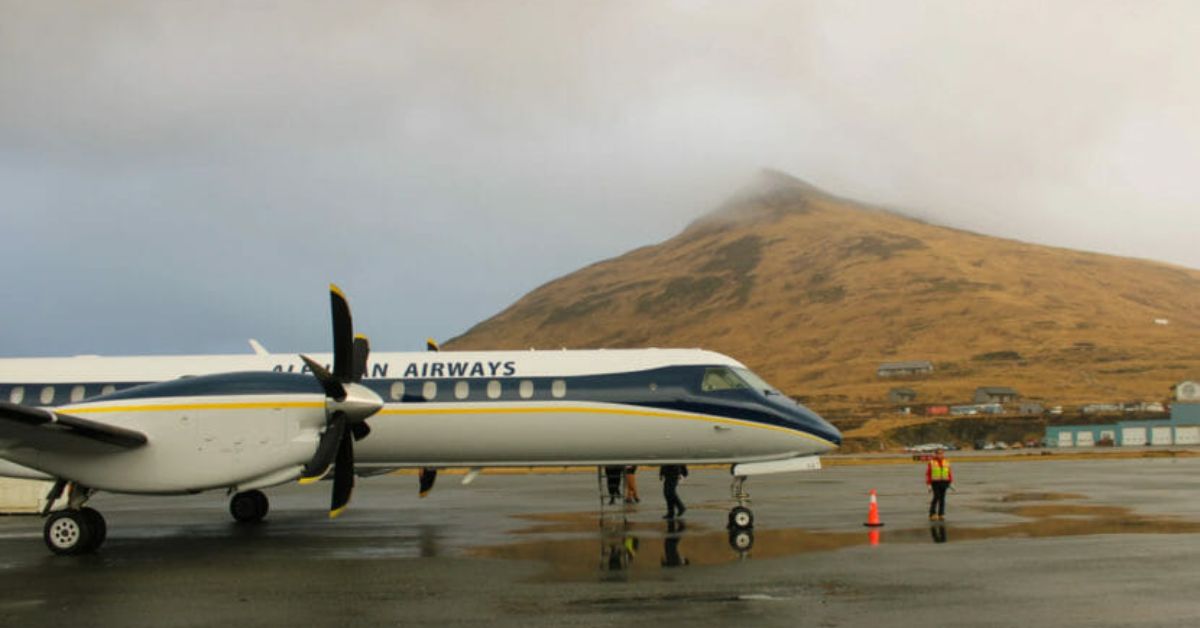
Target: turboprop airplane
[[283, 419]]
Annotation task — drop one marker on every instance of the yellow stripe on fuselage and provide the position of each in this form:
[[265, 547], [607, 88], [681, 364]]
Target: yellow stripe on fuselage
[[594, 410], [168, 407], [393, 410]]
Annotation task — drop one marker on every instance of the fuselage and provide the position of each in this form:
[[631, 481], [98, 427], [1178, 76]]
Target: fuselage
[[502, 408]]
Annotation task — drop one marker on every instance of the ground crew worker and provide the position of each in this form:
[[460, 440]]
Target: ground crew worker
[[612, 476], [670, 474], [631, 492], [938, 477]]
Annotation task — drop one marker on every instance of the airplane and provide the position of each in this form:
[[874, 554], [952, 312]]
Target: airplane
[[161, 426]]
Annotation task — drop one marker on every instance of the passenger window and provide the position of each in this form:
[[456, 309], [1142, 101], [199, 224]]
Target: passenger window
[[17, 395], [397, 391], [493, 389], [461, 390], [108, 389], [525, 389], [558, 389], [77, 393], [429, 391], [47, 396]]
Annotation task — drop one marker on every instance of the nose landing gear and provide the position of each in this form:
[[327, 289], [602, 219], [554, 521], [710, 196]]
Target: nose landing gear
[[741, 518]]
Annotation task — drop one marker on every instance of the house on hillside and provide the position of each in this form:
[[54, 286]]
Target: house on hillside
[[1187, 392], [902, 396], [902, 369], [996, 394]]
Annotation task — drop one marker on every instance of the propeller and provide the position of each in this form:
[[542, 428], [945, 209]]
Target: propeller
[[428, 475], [348, 404]]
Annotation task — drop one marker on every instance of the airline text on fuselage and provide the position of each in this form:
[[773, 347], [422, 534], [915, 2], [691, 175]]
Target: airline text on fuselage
[[414, 370]]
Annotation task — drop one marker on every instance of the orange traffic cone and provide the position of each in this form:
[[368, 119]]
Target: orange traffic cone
[[873, 513], [873, 536]]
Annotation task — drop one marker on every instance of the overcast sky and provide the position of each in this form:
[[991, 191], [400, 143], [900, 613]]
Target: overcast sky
[[176, 177]]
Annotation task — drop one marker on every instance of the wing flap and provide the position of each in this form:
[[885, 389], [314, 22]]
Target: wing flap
[[49, 426]]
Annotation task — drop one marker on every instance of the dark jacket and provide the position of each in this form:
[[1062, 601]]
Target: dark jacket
[[672, 472]]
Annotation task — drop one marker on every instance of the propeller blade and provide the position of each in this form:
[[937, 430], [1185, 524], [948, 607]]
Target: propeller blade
[[431, 345], [360, 430], [327, 448], [343, 478], [343, 334], [333, 388], [362, 350]]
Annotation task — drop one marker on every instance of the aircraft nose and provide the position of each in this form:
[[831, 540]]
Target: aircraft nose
[[816, 425]]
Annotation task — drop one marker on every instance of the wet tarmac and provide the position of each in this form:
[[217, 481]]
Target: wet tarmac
[[1068, 543]]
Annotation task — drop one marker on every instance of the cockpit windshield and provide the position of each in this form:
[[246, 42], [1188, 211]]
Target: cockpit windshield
[[757, 382], [724, 378]]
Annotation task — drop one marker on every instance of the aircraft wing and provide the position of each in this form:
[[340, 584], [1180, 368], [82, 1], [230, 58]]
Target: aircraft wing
[[47, 430]]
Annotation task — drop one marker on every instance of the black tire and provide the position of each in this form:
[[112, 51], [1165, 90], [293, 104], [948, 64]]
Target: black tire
[[263, 504], [741, 518], [99, 527], [249, 507], [741, 539], [68, 533]]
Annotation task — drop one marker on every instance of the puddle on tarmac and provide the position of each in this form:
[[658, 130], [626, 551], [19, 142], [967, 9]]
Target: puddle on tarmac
[[1040, 497], [578, 546]]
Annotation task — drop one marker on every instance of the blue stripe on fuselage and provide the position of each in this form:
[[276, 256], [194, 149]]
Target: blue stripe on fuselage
[[669, 388]]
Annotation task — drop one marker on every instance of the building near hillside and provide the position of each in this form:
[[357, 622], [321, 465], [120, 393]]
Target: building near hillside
[[904, 369], [902, 395], [996, 394], [1182, 428], [1101, 408], [1030, 408]]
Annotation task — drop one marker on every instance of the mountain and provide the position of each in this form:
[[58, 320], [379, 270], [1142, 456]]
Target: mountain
[[814, 292]]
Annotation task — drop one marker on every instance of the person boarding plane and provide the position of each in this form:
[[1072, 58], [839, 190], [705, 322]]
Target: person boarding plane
[[261, 420]]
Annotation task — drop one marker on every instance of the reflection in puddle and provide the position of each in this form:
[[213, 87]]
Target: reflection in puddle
[[633, 549], [1040, 497]]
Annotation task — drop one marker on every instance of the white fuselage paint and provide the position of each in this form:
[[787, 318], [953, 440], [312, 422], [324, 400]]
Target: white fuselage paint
[[247, 440], [568, 433], [194, 444]]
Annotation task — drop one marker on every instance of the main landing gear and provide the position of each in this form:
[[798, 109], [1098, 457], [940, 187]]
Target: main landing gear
[[741, 518], [249, 507], [76, 530]]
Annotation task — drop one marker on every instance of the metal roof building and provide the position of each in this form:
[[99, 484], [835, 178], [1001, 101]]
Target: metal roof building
[[898, 369], [1183, 428]]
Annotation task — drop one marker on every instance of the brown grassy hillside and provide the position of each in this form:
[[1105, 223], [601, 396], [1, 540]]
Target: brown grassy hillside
[[814, 292]]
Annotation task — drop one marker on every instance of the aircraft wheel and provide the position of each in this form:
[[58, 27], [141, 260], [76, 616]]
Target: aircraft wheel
[[98, 525], [249, 507], [68, 533], [741, 518], [741, 540]]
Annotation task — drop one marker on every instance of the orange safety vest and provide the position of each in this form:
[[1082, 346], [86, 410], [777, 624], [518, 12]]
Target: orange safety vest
[[939, 473]]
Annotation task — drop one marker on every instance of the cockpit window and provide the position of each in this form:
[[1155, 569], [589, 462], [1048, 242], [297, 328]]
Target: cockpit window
[[756, 382], [721, 378]]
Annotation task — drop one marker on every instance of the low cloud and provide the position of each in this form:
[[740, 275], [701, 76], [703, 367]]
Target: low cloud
[[178, 176]]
